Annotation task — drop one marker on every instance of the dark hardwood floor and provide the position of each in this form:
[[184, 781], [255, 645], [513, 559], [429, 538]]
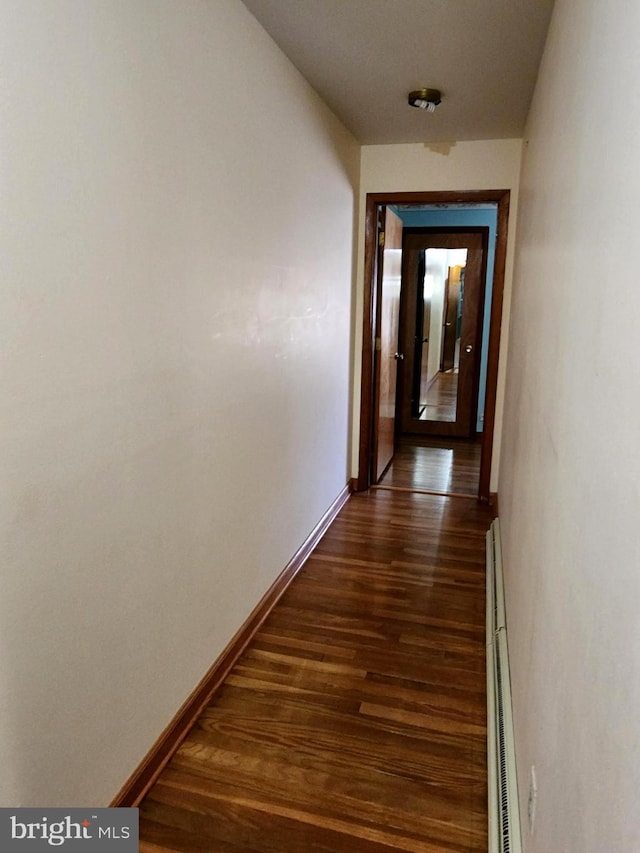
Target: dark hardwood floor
[[442, 398], [435, 464], [356, 719]]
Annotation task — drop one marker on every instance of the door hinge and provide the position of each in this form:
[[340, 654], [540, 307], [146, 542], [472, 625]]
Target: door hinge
[[378, 344], [381, 238]]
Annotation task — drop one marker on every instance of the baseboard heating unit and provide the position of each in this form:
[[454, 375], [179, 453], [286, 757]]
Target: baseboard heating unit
[[504, 814]]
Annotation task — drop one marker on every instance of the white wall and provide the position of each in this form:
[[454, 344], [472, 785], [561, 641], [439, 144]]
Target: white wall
[[489, 164], [176, 292], [570, 473]]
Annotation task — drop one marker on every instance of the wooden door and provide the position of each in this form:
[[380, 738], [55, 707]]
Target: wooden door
[[386, 341], [451, 405]]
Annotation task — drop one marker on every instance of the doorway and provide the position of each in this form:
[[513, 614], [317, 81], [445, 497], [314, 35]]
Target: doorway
[[449, 466], [377, 203], [442, 306]]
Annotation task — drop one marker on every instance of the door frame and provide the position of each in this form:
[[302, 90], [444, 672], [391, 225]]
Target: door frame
[[423, 233], [374, 201]]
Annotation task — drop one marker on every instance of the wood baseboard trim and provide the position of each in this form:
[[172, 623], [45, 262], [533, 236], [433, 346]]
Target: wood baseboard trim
[[493, 503], [145, 775]]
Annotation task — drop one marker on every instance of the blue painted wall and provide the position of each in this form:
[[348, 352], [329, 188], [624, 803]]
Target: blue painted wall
[[478, 216]]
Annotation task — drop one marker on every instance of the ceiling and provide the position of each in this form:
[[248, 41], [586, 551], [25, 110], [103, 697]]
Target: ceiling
[[364, 56]]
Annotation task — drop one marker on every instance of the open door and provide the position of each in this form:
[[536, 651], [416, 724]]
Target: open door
[[386, 340], [368, 400]]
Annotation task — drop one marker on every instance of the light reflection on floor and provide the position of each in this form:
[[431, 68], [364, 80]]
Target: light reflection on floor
[[435, 464]]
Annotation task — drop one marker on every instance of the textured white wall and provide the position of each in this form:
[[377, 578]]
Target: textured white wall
[[489, 164], [176, 293], [570, 472]]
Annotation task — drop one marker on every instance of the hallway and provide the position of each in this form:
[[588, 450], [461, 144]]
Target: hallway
[[356, 719], [193, 194]]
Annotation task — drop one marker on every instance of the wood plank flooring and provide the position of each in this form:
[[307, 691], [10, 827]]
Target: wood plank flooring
[[435, 464], [356, 720], [442, 398]]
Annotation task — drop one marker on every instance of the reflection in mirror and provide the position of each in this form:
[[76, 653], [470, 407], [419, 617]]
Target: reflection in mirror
[[439, 307]]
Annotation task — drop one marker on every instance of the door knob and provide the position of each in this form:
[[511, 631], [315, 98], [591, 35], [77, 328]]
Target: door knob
[[468, 348], [399, 356]]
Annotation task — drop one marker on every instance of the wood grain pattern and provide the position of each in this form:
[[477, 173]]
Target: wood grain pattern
[[374, 202], [458, 417], [387, 329], [355, 720], [441, 398], [367, 396], [153, 763], [447, 465]]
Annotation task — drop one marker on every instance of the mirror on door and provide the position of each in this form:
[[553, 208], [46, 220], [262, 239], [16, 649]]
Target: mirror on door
[[438, 326]]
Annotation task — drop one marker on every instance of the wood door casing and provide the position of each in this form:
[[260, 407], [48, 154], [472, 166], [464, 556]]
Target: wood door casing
[[475, 241], [387, 328], [410, 198]]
